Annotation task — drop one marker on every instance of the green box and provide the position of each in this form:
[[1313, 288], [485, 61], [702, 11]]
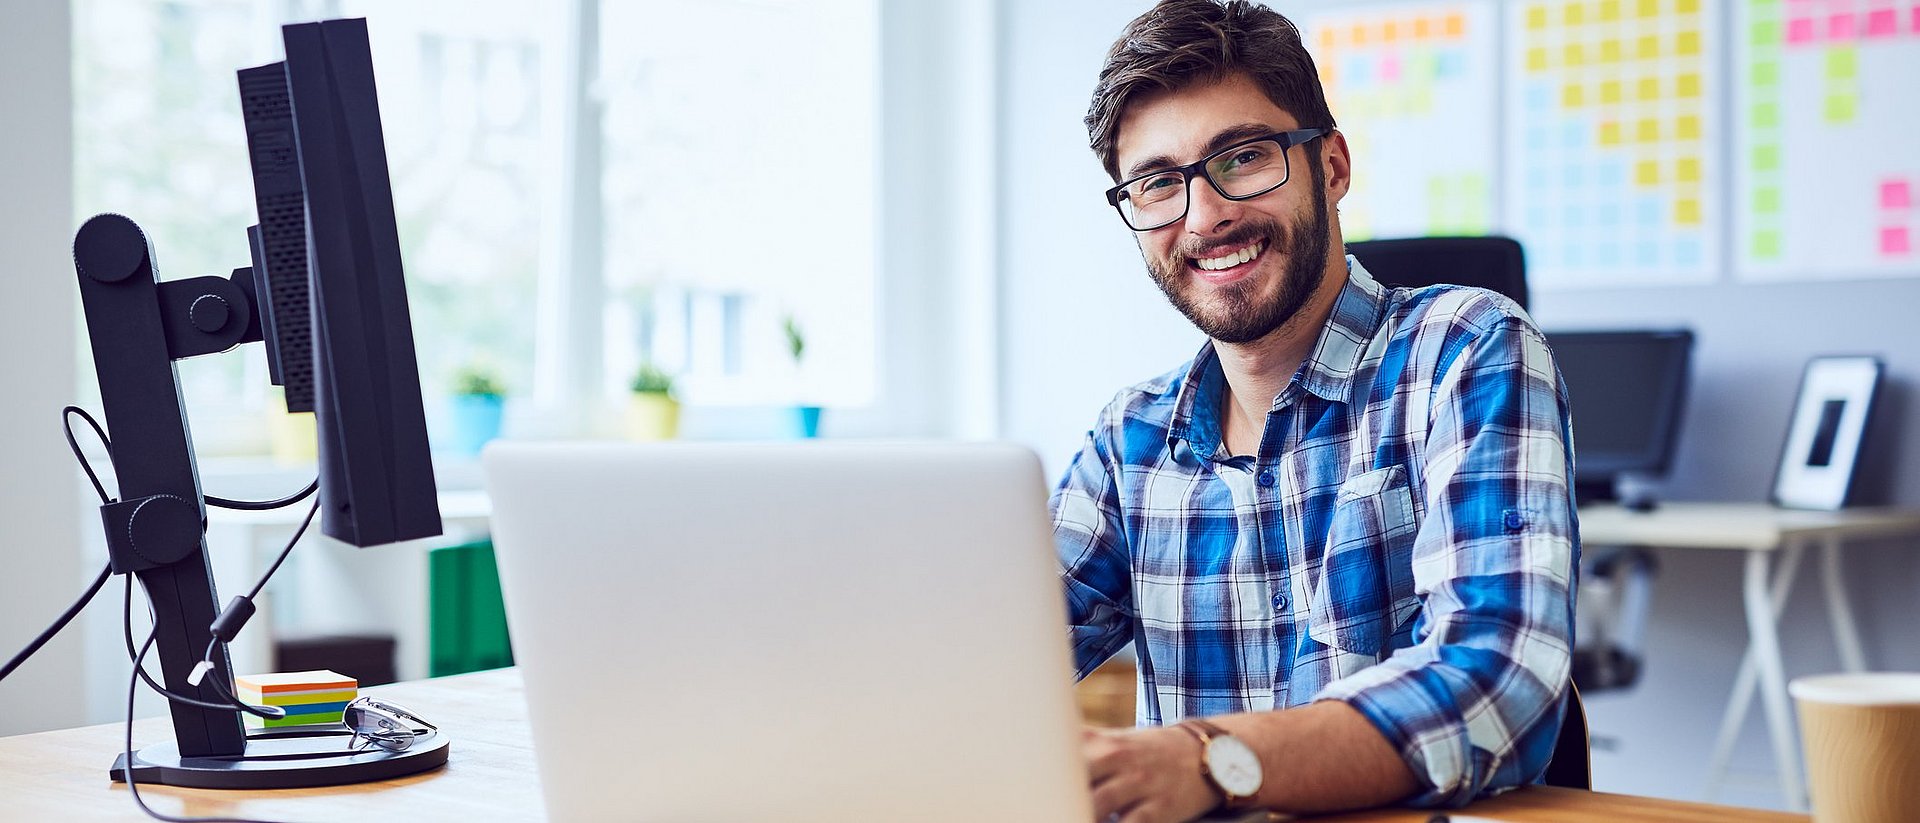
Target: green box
[[466, 616]]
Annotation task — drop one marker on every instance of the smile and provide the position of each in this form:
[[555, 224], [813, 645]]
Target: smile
[[1229, 263]]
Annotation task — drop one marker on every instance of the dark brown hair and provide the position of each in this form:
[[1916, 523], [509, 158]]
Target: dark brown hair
[[1180, 43]]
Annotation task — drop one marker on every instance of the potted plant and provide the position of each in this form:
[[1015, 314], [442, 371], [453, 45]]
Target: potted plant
[[479, 403], [652, 413], [806, 418]]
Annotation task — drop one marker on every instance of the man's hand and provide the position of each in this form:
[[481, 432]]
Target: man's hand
[[1146, 776]]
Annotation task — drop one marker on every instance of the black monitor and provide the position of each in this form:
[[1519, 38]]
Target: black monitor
[[327, 296], [1628, 389]]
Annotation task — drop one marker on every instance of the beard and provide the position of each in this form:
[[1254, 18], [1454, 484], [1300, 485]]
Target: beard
[[1238, 313]]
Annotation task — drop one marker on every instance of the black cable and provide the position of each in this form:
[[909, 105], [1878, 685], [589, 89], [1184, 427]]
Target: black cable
[[66, 423], [308, 521], [126, 623], [264, 505], [65, 618], [126, 771]]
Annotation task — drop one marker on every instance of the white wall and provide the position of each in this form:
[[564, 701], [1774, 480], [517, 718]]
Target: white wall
[[40, 556]]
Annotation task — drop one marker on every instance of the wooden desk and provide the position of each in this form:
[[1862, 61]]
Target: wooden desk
[[62, 775], [1774, 540]]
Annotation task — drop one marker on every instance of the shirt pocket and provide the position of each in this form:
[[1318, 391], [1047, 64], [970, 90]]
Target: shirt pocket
[[1366, 589]]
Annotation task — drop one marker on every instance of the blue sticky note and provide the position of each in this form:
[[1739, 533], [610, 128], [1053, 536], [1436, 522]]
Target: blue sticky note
[[1537, 178], [1452, 63], [1608, 254], [1358, 71], [1572, 256], [1539, 98], [1647, 212], [1647, 254], [1607, 215], [1537, 138], [1612, 174], [1686, 251], [1573, 134], [1573, 176], [1537, 218], [1575, 215]]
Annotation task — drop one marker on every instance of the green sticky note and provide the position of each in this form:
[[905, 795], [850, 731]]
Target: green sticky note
[[1765, 32], [1843, 62], [1437, 190], [1766, 244], [1840, 107], [1766, 200], [1766, 73], [1766, 158], [1766, 115]]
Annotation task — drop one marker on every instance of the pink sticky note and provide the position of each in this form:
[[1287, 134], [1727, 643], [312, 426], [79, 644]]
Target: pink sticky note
[[1800, 31], [1883, 23], [1840, 26], [1390, 68], [1895, 194], [1915, 28], [1894, 241]]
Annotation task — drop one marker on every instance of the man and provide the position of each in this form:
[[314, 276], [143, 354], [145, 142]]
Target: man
[[1341, 538]]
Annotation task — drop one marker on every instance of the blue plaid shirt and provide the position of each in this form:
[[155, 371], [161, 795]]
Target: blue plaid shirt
[[1404, 541]]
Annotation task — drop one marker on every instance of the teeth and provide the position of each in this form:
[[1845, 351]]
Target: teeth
[[1231, 260]]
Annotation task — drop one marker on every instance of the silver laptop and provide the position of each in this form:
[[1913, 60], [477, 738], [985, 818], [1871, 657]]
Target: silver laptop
[[808, 631]]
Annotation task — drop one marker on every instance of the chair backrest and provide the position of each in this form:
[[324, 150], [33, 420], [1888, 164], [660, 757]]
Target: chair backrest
[[1571, 766], [1493, 263]]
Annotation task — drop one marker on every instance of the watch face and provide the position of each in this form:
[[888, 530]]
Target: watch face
[[1234, 766]]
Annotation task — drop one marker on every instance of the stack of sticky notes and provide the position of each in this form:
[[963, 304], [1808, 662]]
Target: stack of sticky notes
[[309, 698]]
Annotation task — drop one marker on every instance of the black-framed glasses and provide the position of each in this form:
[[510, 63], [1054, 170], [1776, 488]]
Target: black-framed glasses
[[1241, 171], [376, 722]]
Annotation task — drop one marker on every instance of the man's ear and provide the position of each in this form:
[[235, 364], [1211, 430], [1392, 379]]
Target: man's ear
[[1338, 164]]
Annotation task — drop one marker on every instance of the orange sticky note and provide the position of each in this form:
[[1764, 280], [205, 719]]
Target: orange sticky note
[[1358, 34], [1456, 25], [1328, 39], [1422, 28], [1389, 31]]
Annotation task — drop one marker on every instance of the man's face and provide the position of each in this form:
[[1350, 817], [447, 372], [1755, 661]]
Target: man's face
[[1195, 261]]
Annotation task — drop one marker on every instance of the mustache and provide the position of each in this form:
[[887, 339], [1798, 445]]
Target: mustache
[[1239, 236]]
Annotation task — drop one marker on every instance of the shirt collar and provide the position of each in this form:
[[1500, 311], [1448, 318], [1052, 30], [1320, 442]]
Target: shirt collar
[[1328, 371]]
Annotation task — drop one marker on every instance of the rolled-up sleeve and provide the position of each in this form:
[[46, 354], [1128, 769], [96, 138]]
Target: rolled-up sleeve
[[1094, 568], [1474, 706]]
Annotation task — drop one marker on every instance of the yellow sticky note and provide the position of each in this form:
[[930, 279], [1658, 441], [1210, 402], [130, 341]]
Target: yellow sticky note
[[1574, 55], [1537, 58], [1686, 6], [1573, 95], [1646, 8], [1456, 25], [1687, 170], [1648, 88], [1609, 11], [1687, 127], [1647, 47], [1575, 14], [1647, 172], [1328, 40], [1686, 211], [1610, 51], [1536, 17], [1610, 91], [1686, 43], [1687, 86], [1610, 133], [1647, 130]]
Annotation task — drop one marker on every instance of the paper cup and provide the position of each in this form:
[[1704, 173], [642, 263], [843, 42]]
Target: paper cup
[[1862, 739]]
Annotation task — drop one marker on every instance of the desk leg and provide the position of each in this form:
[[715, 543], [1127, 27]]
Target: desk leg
[[1761, 612], [1846, 637], [1741, 700]]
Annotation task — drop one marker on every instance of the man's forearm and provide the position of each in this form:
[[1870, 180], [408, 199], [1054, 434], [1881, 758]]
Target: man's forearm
[[1323, 756]]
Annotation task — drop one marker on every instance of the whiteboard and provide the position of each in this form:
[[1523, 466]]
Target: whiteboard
[[1827, 151], [1413, 88]]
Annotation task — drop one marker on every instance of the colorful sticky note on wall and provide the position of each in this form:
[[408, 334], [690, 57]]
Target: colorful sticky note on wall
[[1686, 43], [1648, 88], [1841, 107], [1687, 127], [1766, 115], [1687, 86], [1455, 26], [1610, 133], [1883, 22], [1766, 157], [1647, 172], [1610, 91], [1646, 8], [1766, 200], [1647, 130], [1686, 6], [1686, 211], [1842, 62], [1687, 170], [1646, 47], [1765, 32], [1610, 50], [1536, 17], [1895, 241], [1537, 58], [1800, 31], [1840, 26], [1573, 95], [1608, 11], [1896, 194], [1766, 244]]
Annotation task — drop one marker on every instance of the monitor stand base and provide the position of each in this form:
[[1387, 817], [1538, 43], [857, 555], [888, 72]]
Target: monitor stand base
[[284, 760]]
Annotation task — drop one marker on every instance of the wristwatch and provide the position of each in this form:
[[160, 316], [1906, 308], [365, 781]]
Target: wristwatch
[[1228, 764]]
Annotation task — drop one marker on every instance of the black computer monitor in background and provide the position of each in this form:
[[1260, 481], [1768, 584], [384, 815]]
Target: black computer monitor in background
[[326, 253], [1628, 390]]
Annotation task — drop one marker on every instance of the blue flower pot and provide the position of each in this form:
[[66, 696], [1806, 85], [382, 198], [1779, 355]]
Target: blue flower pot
[[476, 420], [806, 421]]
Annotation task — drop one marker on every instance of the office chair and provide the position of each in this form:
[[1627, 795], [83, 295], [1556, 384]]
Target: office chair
[[1571, 766], [1493, 263]]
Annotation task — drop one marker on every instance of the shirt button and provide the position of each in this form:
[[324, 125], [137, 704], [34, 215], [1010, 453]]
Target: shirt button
[[1264, 478], [1515, 521], [1280, 602]]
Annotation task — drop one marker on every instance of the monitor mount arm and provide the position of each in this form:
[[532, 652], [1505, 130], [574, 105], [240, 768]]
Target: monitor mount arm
[[138, 326]]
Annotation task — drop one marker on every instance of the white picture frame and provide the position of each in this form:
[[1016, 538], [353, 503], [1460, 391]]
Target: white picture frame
[[1830, 418]]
